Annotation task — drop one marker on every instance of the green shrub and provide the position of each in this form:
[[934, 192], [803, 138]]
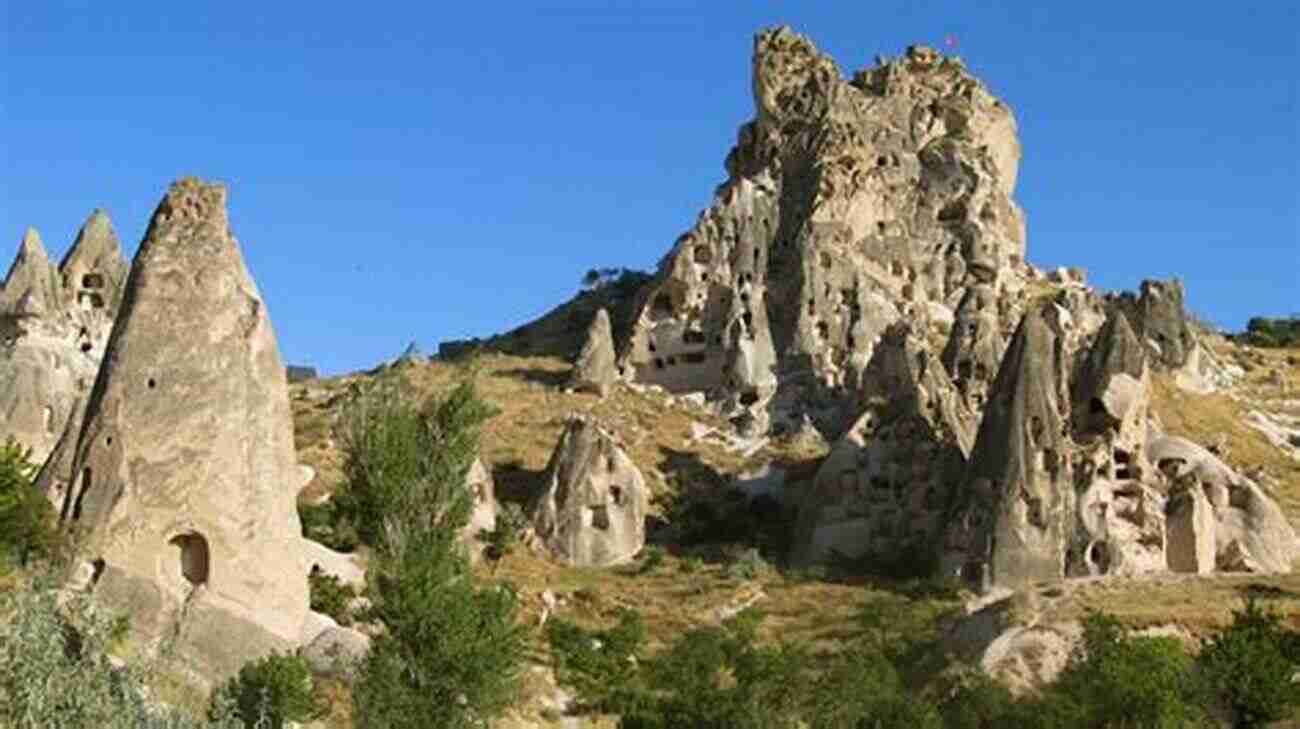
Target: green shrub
[[55, 672], [750, 565], [651, 560], [270, 692], [331, 596], [1116, 680], [1265, 332], [28, 527], [1249, 666], [324, 524], [451, 653]]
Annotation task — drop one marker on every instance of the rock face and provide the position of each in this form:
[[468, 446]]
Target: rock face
[[185, 472], [484, 516], [886, 486], [592, 511], [596, 369], [1015, 510], [1160, 319], [1250, 532], [54, 323], [848, 204]]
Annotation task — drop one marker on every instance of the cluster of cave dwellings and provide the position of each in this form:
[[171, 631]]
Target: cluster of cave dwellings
[[90, 295]]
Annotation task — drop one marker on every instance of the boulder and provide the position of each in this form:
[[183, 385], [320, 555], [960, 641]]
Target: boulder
[[184, 470], [1190, 546], [591, 511], [336, 652], [1251, 531], [484, 515], [596, 368]]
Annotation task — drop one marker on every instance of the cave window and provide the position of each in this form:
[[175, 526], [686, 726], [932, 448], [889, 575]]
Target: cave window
[[600, 517], [703, 254], [151, 383], [663, 304], [193, 557], [616, 493], [694, 357], [659, 363], [672, 361], [652, 347], [692, 336], [92, 281], [748, 398]]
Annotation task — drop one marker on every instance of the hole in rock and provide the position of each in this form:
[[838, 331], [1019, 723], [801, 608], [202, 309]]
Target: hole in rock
[[193, 557]]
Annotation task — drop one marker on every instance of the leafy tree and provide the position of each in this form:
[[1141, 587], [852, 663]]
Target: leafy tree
[[1120, 681], [269, 692], [451, 653], [27, 520], [1249, 665]]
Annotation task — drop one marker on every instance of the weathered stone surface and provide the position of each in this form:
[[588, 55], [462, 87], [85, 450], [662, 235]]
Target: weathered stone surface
[[185, 472], [336, 651], [596, 368], [975, 344], [484, 516], [1251, 531], [1160, 320], [1015, 512], [887, 484], [592, 509], [848, 204], [1110, 390], [54, 324], [348, 568], [1190, 546]]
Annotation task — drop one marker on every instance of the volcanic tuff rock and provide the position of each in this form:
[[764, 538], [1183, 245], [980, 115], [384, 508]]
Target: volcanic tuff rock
[[185, 471], [592, 509], [887, 485], [54, 324], [1160, 319], [848, 204], [596, 368]]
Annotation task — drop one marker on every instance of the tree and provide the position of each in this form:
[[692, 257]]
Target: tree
[[270, 692], [452, 649], [27, 520], [1250, 666]]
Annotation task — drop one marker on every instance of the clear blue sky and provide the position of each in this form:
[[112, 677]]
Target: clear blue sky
[[423, 171]]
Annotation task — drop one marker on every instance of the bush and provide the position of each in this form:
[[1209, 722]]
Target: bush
[[270, 692], [324, 524], [331, 596], [28, 524], [1249, 667], [1115, 680], [55, 672], [451, 653], [1265, 332]]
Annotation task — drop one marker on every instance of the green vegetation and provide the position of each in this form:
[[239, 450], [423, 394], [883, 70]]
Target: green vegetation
[[1264, 332], [55, 672], [331, 596], [27, 521], [268, 693], [451, 653], [895, 675], [502, 539]]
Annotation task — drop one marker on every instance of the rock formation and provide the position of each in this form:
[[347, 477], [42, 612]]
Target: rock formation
[[592, 509], [596, 368], [1015, 510], [848, 204], [886, 486], [54, 323], [185, 471], [1249, 533], [484, 516], [1160, 319]]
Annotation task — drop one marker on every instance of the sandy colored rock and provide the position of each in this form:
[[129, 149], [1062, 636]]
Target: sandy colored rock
[[848, 204], [1015, 512], [54, 324], [886, 486], [1159, 317], [596, 368], [1190, 546], [185, 472], [592, 509], [484, 515]]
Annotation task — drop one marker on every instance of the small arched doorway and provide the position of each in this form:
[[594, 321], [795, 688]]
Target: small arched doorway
[[193, 557]]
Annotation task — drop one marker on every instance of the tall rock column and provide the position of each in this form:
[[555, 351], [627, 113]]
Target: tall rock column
[[185, 470]]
